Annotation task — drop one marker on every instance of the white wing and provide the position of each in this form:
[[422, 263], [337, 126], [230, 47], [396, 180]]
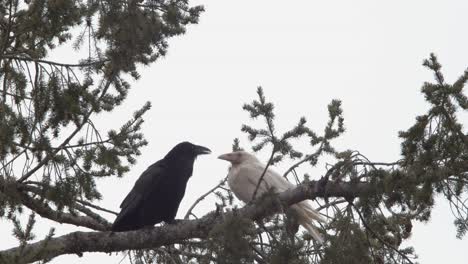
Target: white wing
[[277, 181], [243, 180]]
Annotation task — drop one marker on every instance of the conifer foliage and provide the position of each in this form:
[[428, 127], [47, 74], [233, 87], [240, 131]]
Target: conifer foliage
[[52, 153]]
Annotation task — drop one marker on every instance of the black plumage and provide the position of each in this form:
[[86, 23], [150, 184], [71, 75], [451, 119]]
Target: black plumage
[[156, 195]]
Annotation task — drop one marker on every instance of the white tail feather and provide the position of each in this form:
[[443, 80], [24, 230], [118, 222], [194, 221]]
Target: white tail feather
[[312, 213], [305, 218], [313, 232]]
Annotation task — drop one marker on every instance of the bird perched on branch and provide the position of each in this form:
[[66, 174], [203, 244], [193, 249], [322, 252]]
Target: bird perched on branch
[[244, 176], [156, 195]]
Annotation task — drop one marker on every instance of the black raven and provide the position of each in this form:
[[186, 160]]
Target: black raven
[[156, 195]]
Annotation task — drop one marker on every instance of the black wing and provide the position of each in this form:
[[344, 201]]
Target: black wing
[[140, 191]]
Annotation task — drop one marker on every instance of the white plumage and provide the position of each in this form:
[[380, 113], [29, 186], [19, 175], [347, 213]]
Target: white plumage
[[244, 175]]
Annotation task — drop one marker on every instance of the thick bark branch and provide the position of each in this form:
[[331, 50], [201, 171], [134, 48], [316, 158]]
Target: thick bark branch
[[90, 220], [46, 211], [79, 242]]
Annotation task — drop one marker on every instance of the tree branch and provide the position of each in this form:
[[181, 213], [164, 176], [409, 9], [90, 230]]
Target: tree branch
[[90, 219], [80, 65], [264, 172], [378, 237], [71, 136], [306, 159], [79, 242], [46, 211], [85, 203]]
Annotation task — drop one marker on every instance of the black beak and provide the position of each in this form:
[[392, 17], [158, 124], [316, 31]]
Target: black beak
[[200, 150]]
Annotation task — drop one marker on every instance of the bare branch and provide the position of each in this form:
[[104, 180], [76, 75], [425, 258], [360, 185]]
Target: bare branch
[[90, 219], [264, 172], [46, 211], [85, 203], [80, 65], [189, 211]]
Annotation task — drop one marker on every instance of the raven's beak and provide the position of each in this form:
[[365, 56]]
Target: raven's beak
[[200, 150]]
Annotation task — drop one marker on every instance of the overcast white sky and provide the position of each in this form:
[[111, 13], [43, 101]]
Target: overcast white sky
[[304, 54]]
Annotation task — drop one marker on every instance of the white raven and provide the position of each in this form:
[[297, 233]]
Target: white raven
[[243, 178], [156, 195]]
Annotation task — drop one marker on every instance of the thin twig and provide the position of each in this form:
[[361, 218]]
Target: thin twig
[[96, 207], [376, 163], [55, 63], [264, 172], [201, 198], [307, 158], [261, 257]]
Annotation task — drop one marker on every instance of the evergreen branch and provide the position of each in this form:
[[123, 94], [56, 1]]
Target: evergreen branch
[[378, 237], [46, 211], [15, 95], [7, 36], [264, 172], [85, 203], [80, 65], [63, 147], [377, 163], [91, 214], [85, 144], [79, 242], [329, 204], [67, 140], [453, 125], [4, 165], [306, 159]]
